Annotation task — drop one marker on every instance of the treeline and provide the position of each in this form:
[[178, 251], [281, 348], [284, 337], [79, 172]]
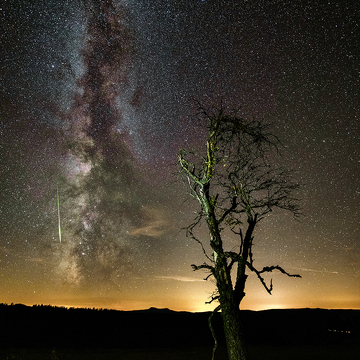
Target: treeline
[[44, 325], [48, 326]]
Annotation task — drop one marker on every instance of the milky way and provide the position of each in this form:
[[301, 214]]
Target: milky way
[[97, 98]]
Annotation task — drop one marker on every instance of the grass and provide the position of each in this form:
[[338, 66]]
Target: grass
[[331, 352]]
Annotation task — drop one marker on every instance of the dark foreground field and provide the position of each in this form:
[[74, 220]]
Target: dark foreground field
[[50, 333], [329, 352]]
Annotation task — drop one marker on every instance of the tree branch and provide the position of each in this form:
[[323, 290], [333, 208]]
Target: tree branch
[[189, 233], [269, 269], [213, 331], [229, 210], [277, 267], [203, 266]]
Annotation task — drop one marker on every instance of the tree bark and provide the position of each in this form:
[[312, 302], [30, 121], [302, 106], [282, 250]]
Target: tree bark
[[241, 276], [235, 344], [230, 312]]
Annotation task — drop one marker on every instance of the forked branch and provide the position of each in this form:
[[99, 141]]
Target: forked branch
[[269, 269]]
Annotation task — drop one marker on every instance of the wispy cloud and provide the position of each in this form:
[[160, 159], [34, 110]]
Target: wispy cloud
[[178, 278], [155, 223], [317, 271], [36, 260]]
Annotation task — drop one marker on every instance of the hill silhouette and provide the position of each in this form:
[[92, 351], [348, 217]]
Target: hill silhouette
[[48, 326]]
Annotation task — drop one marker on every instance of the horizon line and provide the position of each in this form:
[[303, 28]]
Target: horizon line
[[167, 309]]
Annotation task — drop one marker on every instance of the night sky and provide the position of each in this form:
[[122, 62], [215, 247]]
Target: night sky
[[97, 98]]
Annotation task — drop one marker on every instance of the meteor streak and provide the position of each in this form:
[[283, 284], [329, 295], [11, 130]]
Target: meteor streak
[[58, 205]]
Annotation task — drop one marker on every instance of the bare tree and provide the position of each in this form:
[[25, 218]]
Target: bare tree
[[237, 182]]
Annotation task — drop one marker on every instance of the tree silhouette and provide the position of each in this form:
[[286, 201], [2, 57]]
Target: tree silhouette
[[237, 182]]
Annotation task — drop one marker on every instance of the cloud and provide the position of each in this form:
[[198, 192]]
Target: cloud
[[154, 223], [36, 260], [318, 271], [178, 278]]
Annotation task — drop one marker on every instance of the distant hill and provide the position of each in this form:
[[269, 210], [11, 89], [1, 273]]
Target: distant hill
[[46, 326]]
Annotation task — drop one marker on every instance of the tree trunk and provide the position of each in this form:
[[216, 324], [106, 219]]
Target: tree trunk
[[233, 332], [230, 312], [229, 307]]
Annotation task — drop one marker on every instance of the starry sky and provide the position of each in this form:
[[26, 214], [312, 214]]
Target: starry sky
[[97, 98]]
